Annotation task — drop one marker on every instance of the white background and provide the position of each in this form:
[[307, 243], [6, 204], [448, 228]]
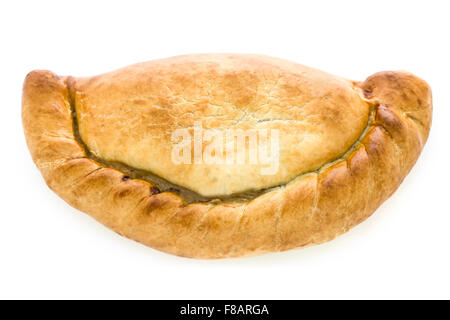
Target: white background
[[50, 250]]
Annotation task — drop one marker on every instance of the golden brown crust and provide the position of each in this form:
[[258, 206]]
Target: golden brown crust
[[129, 115], [311, 209]]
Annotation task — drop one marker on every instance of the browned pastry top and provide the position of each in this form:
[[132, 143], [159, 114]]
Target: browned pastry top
[[129, 116]]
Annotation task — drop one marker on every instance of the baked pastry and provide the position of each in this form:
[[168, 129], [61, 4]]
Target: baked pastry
[[105, 145]]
